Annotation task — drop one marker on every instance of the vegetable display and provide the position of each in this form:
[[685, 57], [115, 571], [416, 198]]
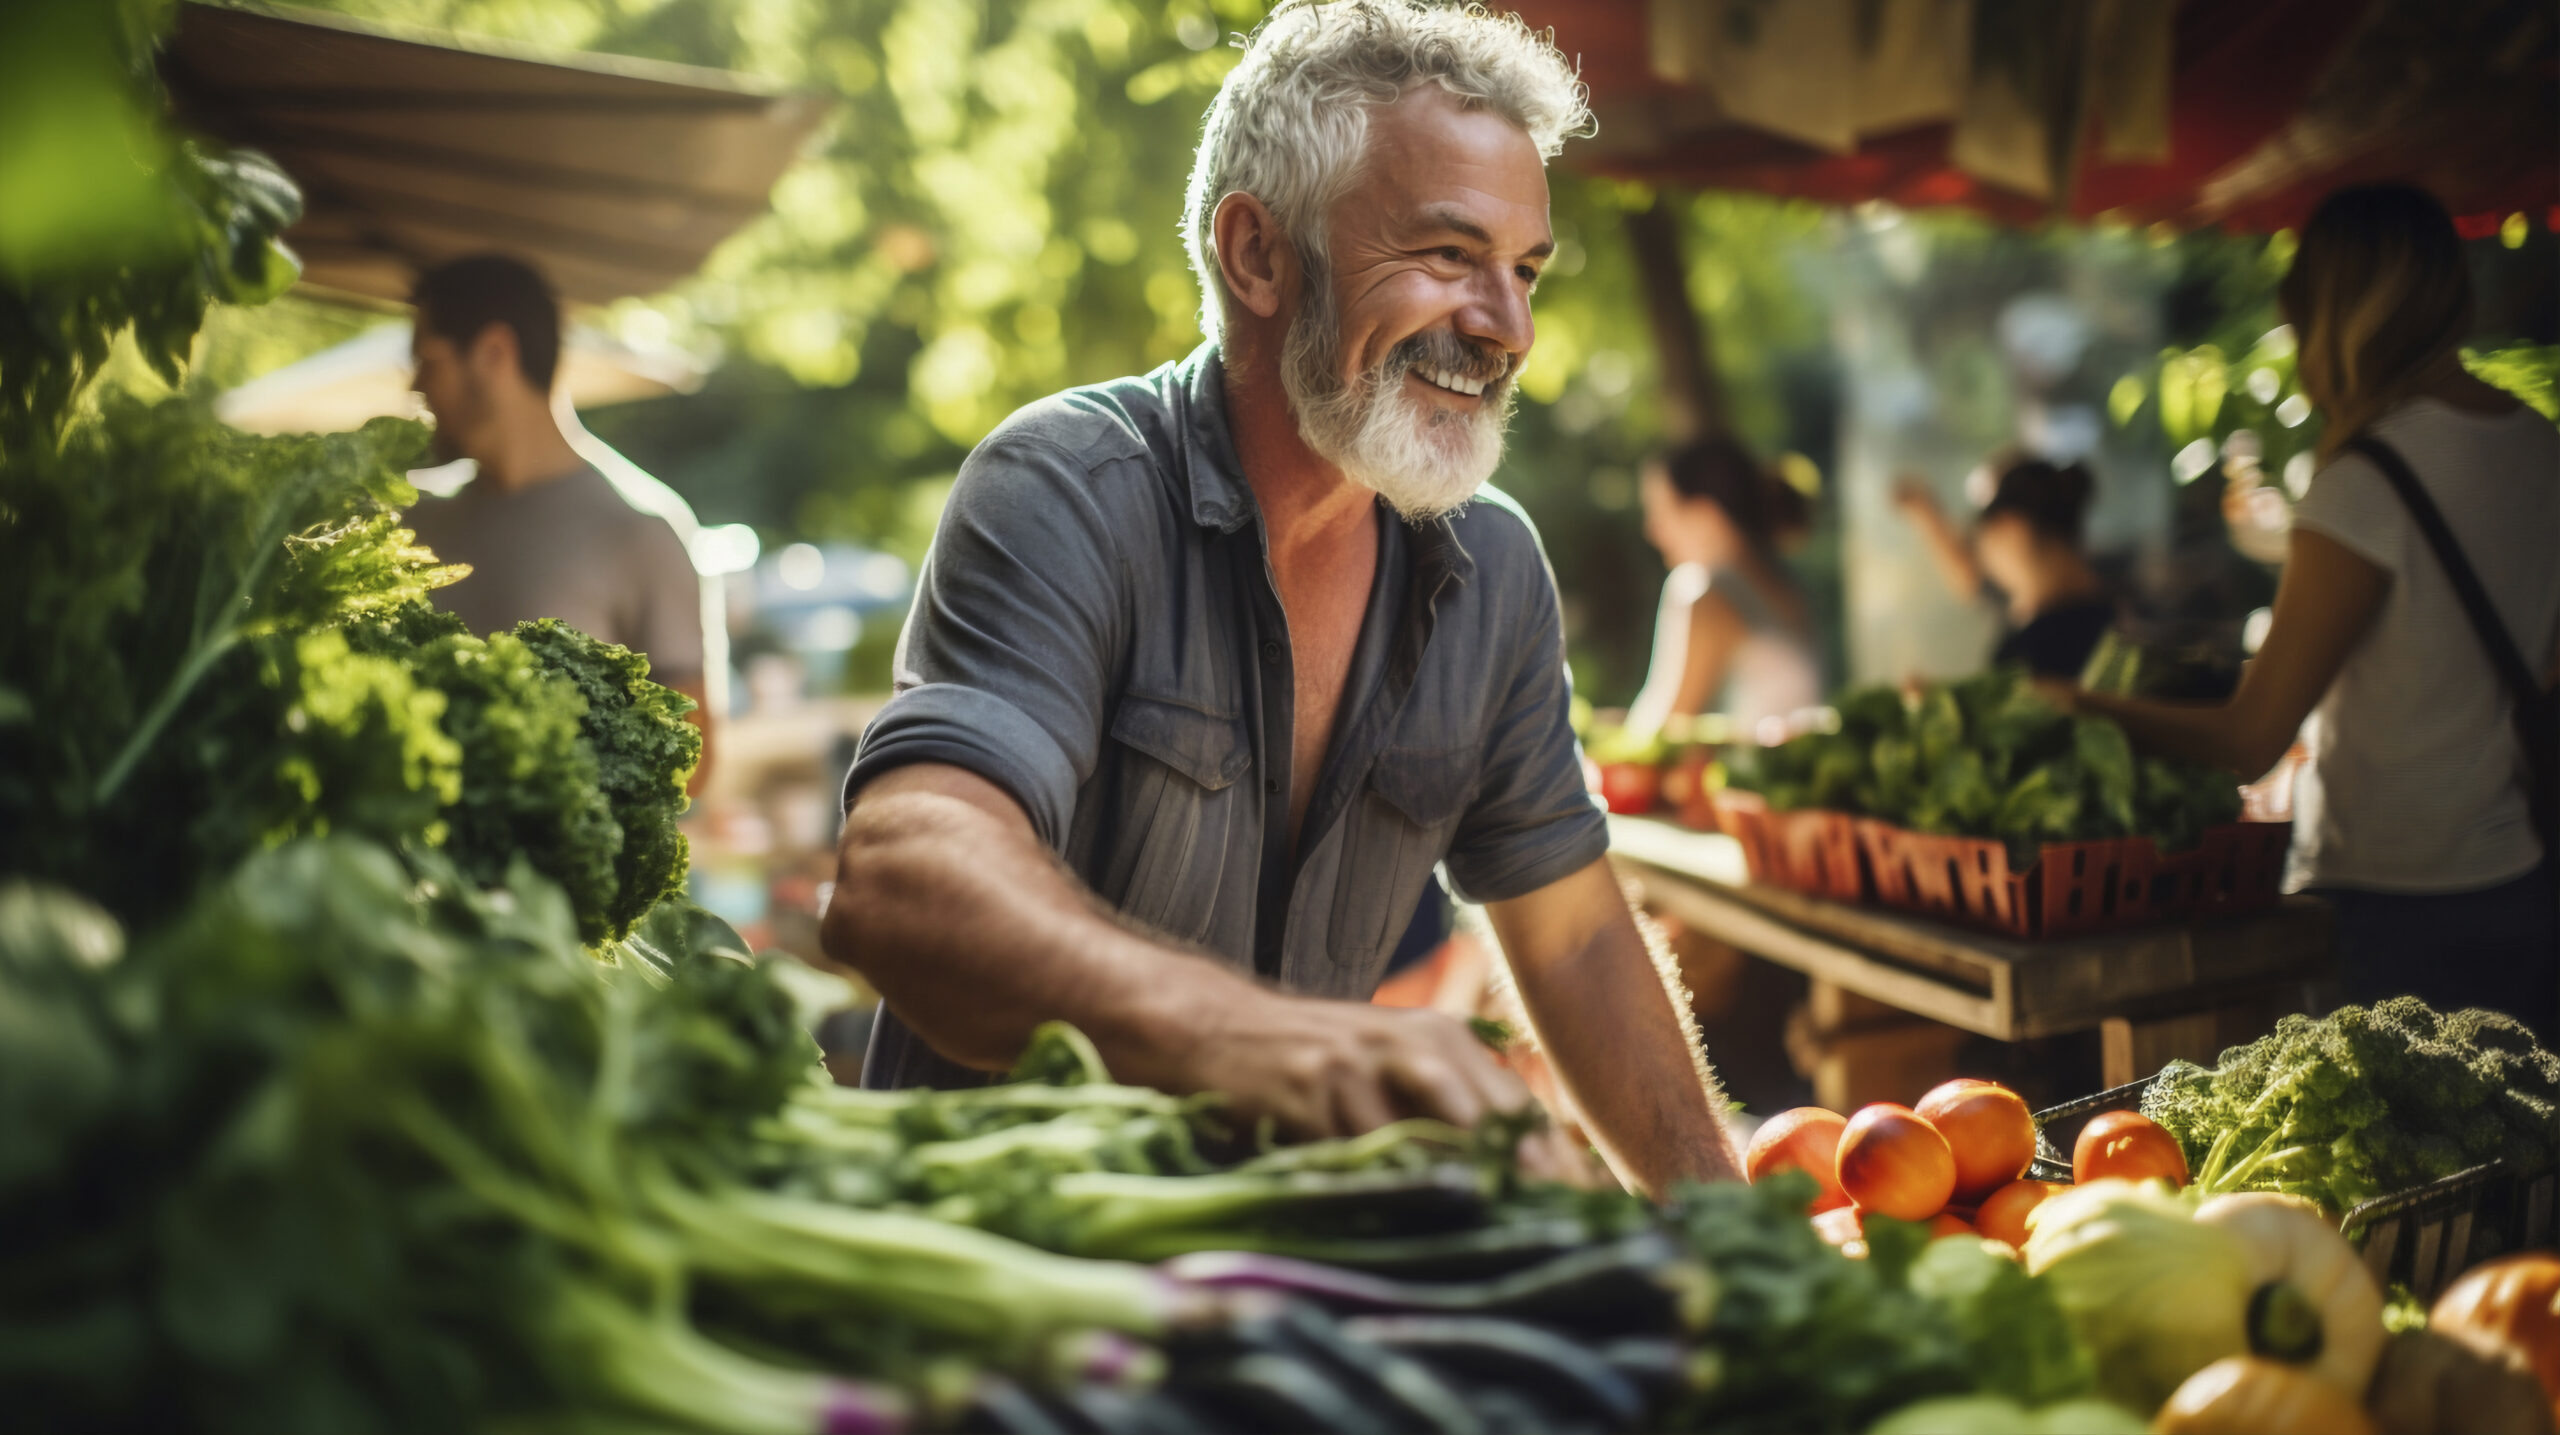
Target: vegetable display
[[1988, 757], [225, 643], [2365, 1101], [354, 1143]]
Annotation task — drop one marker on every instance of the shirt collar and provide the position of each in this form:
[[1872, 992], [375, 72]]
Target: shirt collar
[[1221, 499]]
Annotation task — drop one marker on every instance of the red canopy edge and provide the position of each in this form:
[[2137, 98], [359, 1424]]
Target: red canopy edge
[[2273, 103]]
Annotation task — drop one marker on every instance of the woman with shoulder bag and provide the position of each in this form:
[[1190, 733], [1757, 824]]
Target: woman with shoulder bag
[[2417, 629]]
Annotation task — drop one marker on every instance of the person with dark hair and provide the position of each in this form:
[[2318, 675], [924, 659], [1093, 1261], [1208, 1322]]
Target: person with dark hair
[[2416, 811], [2026, 549], [545, 533], [1734, 633]]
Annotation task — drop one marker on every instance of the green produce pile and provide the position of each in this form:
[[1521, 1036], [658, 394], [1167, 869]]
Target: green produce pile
[[2363, 1102], [1988, 757], [223, 642], [354, 1143]]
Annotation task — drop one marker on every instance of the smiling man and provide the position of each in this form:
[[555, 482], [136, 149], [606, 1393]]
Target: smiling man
[[1211, 667]]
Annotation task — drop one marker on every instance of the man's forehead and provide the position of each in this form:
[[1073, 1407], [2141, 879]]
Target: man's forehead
[[1433, 164]]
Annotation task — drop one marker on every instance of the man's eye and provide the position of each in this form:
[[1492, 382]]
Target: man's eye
[[1528, 276], [1454, 254]]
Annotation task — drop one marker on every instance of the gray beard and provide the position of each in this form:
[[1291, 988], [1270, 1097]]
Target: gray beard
[[1425, 462]]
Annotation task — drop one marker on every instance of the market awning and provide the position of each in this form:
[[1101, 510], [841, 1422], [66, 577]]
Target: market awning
[[616, 176], [369, 375], [2233, 112]]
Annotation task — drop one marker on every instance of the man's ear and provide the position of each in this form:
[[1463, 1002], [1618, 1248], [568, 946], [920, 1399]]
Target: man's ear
[[1255, 259]]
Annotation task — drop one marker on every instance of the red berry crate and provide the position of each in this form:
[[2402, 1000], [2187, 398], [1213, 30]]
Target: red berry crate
[[2074, 887], [1809, 850]]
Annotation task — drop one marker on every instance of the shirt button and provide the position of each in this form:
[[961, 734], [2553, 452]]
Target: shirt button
[[1270, 651]]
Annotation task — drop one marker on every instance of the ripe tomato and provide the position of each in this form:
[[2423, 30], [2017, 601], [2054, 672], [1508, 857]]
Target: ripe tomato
[[1896, 1164], [2003, 1216], [1629, 787], [1805, 1139], [1989, 1129], [2127, 1144], [1948, 1223]]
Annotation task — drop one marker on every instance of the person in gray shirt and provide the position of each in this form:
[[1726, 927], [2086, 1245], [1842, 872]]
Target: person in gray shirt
[[545, 535], [1210, 668]]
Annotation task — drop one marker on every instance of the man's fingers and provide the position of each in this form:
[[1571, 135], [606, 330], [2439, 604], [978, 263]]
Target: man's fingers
[[1360, 1105], [1434, 1086]]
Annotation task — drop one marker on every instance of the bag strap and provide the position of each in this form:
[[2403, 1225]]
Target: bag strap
[[2503, 652]]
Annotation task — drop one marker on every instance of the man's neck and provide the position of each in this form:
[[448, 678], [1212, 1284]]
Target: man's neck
[[528, 450], [1307, 502]]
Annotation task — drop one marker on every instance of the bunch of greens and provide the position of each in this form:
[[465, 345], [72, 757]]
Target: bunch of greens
[[1988, 757], [2365, 1101], [341, 1149], [1803, 1339], [223, 643]]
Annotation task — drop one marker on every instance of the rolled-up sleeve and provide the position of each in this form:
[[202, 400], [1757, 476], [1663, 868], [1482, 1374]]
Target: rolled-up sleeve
[[1005, 663], [1532, 821]]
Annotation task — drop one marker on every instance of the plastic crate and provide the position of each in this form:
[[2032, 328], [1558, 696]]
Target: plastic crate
[[1809, 850], [2102, 885], [2074, 887], [2421, 1237]]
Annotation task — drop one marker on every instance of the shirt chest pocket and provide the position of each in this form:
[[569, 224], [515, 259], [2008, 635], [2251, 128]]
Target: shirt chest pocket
[[1176, 811], [1397, 829]]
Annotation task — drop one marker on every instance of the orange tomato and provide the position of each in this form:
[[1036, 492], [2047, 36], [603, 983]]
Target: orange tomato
[[1896, 1164], [2130, 1145], [1948, 1223], [2003, 1216], [1805, 1139], [1989, 1129]]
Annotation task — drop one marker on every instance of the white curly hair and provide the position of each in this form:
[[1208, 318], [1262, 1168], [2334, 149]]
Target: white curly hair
[[1291, 123]]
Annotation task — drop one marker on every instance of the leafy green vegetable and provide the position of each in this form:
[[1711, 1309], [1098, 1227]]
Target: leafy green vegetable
[[1988, 757], [2365, 1101], [224, 644], [1805, 1339]]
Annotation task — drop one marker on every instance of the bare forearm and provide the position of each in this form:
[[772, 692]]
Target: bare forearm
[[1949, 555], [968, 926], [1605, 1017], [2222, 735]]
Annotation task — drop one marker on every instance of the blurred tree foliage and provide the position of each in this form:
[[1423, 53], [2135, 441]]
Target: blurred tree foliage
[[992, 217]]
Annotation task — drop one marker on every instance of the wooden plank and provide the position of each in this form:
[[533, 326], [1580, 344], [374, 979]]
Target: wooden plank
[[2131, 1048], [1719, 915]]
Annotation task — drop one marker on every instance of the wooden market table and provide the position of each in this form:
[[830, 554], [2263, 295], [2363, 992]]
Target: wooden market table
[[2154, 993]]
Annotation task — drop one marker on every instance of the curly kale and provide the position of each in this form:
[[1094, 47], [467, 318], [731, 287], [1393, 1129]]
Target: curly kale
[[644, 751], [2366, 1101], [225, 644]]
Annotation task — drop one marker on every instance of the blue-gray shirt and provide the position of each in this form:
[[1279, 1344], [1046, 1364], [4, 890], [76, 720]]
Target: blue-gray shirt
[[1097, 633]]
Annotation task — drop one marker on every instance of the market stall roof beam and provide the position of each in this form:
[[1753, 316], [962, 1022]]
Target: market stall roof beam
[[617, 176]]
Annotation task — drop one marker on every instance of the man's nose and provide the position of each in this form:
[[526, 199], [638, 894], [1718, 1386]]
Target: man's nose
[[1497, 313]]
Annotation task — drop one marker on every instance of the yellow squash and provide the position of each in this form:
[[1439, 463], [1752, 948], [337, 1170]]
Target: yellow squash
[[2313, 1303]]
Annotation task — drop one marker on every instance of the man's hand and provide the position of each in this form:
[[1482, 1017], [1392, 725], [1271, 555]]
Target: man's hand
[[1336, 1068], [952, 908]]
